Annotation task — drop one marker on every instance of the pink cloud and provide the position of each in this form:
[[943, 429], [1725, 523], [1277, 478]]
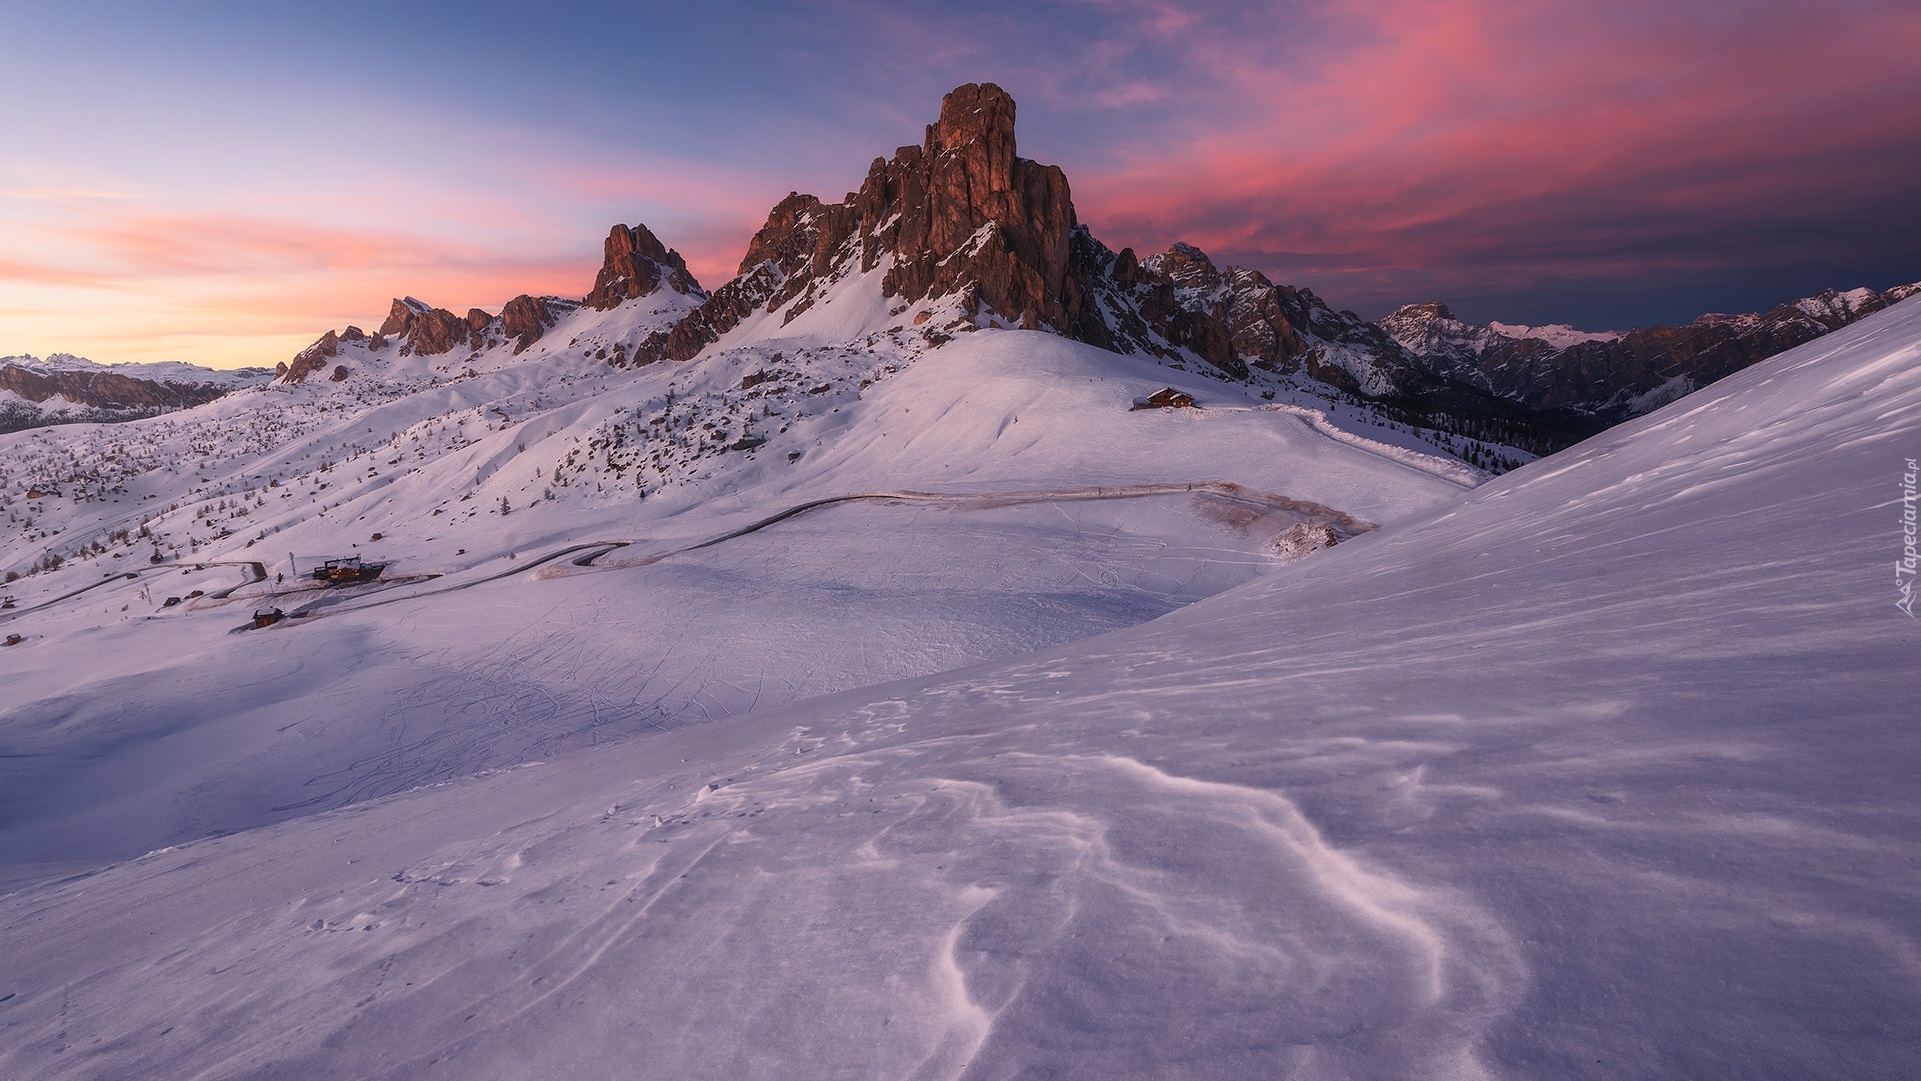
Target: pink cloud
[[1408, 124]]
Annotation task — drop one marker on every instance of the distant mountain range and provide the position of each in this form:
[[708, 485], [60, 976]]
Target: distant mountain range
[[64, 389], [1614, 376]]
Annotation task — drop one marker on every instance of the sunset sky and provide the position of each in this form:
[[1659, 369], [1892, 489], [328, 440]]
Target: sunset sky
[[221, 182]]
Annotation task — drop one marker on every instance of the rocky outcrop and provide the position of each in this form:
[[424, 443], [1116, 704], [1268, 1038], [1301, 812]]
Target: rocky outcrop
[[311, 359], [428, 331], [637, 264], [963, 210], [963, 216], [526, 318], [959, 215]]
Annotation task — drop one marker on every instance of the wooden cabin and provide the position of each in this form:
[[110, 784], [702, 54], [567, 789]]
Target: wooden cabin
[[1166, 398]]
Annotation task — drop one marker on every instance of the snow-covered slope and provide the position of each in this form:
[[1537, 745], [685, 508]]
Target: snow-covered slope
[[1603, 769], [1009, 498]]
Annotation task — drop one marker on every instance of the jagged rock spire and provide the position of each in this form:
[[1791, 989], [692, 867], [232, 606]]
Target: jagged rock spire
[[967, 193], [960, 214], [637, 264]]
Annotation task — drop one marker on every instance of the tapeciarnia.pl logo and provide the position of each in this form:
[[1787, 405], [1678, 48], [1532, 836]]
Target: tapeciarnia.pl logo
[[1904, 567]]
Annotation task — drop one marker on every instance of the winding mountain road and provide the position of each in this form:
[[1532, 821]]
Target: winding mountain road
[[259, 575], [324, 605], [1345, 524]]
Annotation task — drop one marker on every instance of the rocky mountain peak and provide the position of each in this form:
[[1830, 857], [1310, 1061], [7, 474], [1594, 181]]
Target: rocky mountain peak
[[976, 113], [637, 264], [424, 329], [312, 359], [788, 237], [526, 318], [1426, 311], [960, 215], [1429, 329], [1187, 266]]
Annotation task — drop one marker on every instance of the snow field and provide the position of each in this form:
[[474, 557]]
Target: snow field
[[1602, 769]]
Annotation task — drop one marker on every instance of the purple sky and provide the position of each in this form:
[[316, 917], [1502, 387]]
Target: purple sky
[[220, 183]]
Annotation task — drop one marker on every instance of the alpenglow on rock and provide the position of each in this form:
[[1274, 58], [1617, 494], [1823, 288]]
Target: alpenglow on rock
[[964, 217], [961, 214], [637, 264]]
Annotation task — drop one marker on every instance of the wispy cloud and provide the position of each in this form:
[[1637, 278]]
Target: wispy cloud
[[1473, 142]]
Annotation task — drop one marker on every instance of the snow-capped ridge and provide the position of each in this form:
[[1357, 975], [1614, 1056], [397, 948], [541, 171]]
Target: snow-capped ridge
[[985, 238], [64, 389], [636, 266], [1614, 375]]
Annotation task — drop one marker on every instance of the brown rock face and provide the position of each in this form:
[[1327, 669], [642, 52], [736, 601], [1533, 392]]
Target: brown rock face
[[961, 214], [636, 264], [428, 331], [477, 323], [313, 358], [966, 210], [399, 317], [104, 390], [526, 318]]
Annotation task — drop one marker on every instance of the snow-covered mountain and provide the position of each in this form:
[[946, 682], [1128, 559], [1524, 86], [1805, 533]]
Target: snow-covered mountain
[[1612, 375], [996, 490], [878, 690], [65, 389], [1601, 770], [960, 233]]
